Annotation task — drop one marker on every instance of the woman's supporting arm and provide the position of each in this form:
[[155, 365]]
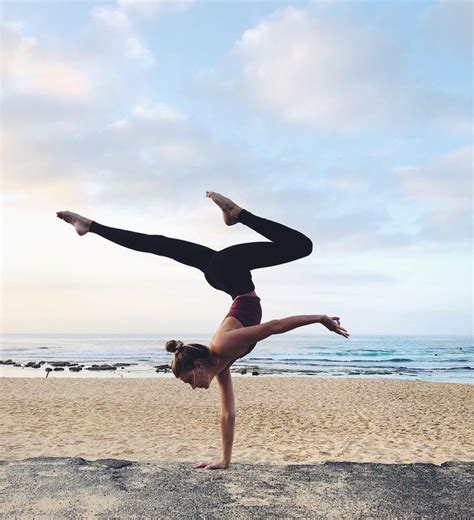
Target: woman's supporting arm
[[227, 414], [227, 422]]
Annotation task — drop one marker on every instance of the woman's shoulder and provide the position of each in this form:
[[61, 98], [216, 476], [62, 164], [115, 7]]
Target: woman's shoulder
[[218, 351]]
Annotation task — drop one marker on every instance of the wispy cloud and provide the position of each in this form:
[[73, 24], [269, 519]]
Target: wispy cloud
[[121, 33], [29, 69], [446, 178]]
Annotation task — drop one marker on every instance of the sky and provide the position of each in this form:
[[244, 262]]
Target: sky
[[349, 121]]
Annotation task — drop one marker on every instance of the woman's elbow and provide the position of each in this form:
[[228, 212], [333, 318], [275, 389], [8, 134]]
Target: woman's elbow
[[276, 326]]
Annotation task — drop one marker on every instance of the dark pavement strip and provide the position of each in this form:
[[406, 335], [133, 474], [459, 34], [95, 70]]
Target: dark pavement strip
[[74, 488]]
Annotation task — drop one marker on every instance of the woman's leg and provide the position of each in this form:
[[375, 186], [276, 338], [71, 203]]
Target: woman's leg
[[286, 244], [182, 251]]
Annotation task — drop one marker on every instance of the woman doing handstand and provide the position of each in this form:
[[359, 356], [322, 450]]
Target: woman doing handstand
[[228, 270]]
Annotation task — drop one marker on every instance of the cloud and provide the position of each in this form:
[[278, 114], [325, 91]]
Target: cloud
[[153, 155], [317, 68], [159, 111], [27, 68], [441, 192], [445, 226], [112, 18], [116, 30], [446, 178]]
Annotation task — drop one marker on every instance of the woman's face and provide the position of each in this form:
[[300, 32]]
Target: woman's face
[[198, 377]]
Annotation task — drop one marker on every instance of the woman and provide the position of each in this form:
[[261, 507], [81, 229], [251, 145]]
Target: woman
[[228, 270]]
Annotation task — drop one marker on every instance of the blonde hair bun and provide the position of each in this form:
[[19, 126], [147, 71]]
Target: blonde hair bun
[[173, 345]]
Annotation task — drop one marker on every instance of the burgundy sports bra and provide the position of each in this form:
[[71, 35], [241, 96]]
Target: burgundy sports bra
[[248, 311]]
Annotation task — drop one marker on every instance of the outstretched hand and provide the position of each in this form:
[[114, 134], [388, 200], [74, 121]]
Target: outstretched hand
[[334, 325], [211, 465]]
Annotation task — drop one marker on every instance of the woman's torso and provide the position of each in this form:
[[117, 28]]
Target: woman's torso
[[231, 323]]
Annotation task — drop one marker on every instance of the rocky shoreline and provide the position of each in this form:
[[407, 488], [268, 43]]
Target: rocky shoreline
[[61, 366]]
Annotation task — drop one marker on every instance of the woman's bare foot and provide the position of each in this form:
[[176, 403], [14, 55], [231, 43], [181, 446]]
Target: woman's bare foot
[[230, 210], [82, 224]]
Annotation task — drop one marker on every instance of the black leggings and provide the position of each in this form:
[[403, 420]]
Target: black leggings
[[227, 270]]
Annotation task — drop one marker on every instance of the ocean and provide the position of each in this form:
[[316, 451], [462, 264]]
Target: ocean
[[447, 359]]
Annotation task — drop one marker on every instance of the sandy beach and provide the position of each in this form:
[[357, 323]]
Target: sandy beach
[[279, 420]]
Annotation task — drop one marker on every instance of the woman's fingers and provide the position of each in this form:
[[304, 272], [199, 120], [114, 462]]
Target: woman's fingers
[[210, 465], [201, 464], [217, 465], [342, 331]]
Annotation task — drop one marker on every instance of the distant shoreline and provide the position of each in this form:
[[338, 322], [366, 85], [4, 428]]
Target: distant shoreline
[[65, 369]]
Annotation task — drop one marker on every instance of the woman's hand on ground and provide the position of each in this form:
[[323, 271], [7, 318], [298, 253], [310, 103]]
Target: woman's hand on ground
[[211, 465], [334, 325]]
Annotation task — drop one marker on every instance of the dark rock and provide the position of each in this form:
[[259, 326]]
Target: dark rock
[[243, 371], [58, 369], [255, 373], [17, 365], [101, 367], [75, 369], [33, 364], [7, 362], [59, 363], [122, 364], [162, 368]]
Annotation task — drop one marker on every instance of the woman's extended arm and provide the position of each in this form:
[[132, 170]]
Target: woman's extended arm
[[293, 322], [233, 342], [227, 422]]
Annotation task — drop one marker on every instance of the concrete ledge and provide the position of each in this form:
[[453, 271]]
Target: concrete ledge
[[73, 488]]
